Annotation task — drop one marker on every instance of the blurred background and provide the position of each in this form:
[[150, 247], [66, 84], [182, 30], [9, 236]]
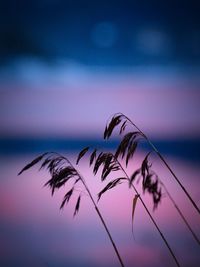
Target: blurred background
[[65, 68]]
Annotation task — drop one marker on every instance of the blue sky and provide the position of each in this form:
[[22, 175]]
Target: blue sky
[[115, 33], [65, 68], [57, 58]]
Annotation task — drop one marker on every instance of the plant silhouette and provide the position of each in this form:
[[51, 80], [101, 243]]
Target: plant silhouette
[[128, 146], [151, 183], [110, 163], [62, 170], [120, 118]]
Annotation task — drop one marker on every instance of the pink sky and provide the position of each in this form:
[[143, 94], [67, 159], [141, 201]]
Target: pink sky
[[30, 218], [48, 234], [161, 107]]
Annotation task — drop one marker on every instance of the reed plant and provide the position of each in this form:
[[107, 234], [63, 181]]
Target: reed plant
[[127, 148], [62, 171], [109, 162]]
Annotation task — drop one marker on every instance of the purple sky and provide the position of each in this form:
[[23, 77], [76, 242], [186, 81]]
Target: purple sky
[[65, 68], [34, 232], [77, 101]]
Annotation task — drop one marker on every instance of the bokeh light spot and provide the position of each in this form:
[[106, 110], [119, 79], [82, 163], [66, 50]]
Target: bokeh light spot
[[104, 34], [153, 42]]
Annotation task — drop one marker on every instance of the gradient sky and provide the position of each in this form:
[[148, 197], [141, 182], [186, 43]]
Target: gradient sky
[[102, 32], [34, 232], [65, 68], [83, 109]]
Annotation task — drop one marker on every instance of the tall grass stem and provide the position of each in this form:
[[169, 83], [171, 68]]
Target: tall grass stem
[[100, 216], [166, 164], [151, 217]]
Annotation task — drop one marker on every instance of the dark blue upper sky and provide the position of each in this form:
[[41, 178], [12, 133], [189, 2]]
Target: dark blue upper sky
[[111, 33]]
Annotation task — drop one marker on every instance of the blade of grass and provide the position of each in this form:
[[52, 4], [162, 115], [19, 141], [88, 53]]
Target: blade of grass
[[68, 195], [133, 208], [124, 124], [151, 217], [101, 218], [99, 214], [164, 161], [180, 212]]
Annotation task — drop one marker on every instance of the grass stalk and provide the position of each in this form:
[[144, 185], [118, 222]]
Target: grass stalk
[[151, 217], [127, 145], [100, 217], [180, 213], [57, 180], [164, 161]]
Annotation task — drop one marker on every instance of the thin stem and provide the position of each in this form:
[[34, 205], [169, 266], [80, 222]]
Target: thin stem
[[103, 222], [166, 164], [100, 215], [180, 213], [169, 195], [152, 219]]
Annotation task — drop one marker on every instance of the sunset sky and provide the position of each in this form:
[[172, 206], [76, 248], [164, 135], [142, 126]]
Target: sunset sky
[[65, 68]]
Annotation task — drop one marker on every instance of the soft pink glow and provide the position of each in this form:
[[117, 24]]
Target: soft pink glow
[[26, 205], [67, 111]]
